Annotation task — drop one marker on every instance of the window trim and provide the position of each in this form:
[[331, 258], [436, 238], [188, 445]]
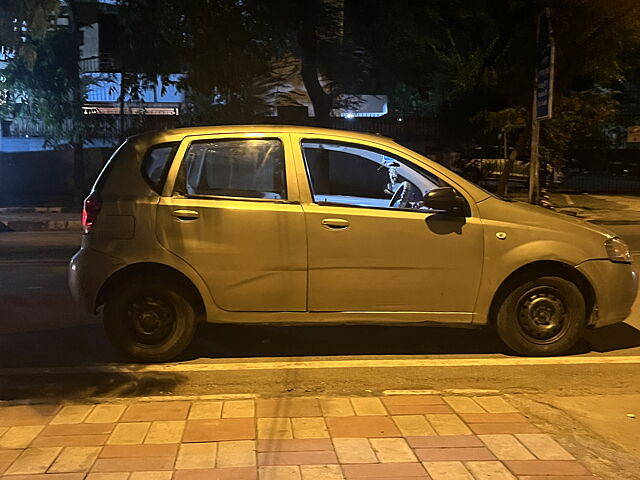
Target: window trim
[[285, 185], [165, 171], [468, 212]]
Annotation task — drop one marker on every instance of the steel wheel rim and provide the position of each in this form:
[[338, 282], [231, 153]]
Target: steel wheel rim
[[542, 315], [152, 319]]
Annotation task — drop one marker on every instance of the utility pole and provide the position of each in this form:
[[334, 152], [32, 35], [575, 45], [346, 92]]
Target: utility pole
[[542, 97]]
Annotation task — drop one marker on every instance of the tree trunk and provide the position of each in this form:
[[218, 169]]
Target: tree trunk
[[77, 127], [308, 42], [521, 144]]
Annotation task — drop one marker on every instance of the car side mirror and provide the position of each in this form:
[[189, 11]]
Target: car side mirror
[[447, 200]]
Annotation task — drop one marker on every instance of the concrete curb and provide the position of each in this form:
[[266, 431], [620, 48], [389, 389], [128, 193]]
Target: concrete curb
[[39, 225]]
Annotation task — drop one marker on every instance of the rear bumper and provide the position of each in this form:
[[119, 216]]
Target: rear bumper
[[615, 286], [88, 270]]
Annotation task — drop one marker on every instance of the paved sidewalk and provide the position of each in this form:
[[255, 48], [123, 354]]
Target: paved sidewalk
[[359, 438]]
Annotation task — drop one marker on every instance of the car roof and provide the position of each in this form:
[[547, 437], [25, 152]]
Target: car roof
[[177, 134]]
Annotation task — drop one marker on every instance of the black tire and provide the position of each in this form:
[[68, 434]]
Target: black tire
[[544, 316], [150, 320]]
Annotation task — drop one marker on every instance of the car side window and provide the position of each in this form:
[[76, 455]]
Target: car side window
[[356, 175], [234, 168], [156, 164]]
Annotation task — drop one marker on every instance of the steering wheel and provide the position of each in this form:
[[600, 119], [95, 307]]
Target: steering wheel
[[400, 198]]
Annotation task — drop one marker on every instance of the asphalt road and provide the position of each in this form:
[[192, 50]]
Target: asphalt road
[[41, 327]]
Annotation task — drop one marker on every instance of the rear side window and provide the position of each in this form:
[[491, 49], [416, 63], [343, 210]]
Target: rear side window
[[156, 164], [234, 168]]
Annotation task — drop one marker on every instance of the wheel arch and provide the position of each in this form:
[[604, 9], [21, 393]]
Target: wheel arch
[[538, 269], [151, 269]]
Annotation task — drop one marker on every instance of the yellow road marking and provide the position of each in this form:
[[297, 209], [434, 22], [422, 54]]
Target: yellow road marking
[[323, 364]]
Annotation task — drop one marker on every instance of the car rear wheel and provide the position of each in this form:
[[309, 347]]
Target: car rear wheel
[[544, 316], [150, 320]]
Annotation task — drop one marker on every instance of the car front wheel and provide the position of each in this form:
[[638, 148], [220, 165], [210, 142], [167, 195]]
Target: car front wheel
[[544, 316], [150, 320]]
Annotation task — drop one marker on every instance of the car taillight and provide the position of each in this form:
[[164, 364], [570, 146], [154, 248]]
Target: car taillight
[[90, 211]]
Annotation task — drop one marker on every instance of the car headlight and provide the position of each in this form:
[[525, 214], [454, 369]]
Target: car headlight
[[617, 250]]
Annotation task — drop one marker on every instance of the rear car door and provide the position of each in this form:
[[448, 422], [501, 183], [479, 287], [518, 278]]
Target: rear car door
[[231, 210]]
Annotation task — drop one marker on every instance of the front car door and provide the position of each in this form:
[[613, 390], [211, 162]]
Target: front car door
[[371, 248], [233, 214]]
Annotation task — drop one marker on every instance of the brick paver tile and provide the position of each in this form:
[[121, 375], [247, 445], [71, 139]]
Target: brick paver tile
[[289, 472], [72, 414], [489, 471], [454, 454], [418, 409], [336, 407], [288, 407], [546, 467], [506, 447], [78, 429], [392, 450], [75, 459], [205, 410], [489, 428], [557, 477], [297, 458], [238, 409], [131, 451], [20, 437], [48, 476], [368, 406], [445, 441], [151, 475], [495, 404], [34, 460], [136, 464], [151, 411], [165, 432], [241, 453], [105, 414], [415, 425], [108, 476], [375, 426], [128, 433], [354, 450], [274, 428], [27, 415], [412, 400], [321, 472], [233, 473], [544, 447], [309, 427], [294, 445], [464, 405], [384, 470], [447, 471], [220, 430], [493, 418], [448, 424], [69, 440], [196, 456], [7, 457]]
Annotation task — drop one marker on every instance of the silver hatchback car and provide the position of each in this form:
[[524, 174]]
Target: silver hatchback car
[[300, 225]]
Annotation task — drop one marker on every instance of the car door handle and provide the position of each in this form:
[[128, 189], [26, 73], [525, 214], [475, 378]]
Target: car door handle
[[335, 223], [185, 214]]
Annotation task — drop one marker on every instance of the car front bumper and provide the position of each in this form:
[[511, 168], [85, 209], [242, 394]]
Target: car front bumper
[[615, 286]]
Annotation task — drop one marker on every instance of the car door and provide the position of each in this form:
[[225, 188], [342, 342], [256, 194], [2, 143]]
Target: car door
[[231, 211], [365, 256]]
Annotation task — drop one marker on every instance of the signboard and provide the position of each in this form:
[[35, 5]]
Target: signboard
[[544, 67], [131, 110], [633, 134]]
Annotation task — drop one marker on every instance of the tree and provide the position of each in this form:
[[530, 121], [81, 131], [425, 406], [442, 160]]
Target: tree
[[43, 77]]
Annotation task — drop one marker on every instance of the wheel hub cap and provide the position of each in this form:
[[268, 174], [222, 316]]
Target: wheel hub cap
[[542, 315]]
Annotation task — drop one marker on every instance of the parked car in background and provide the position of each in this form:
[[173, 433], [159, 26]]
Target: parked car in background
[[301, 225]]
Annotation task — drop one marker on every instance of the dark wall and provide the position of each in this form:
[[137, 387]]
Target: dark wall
[[45, 177]]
